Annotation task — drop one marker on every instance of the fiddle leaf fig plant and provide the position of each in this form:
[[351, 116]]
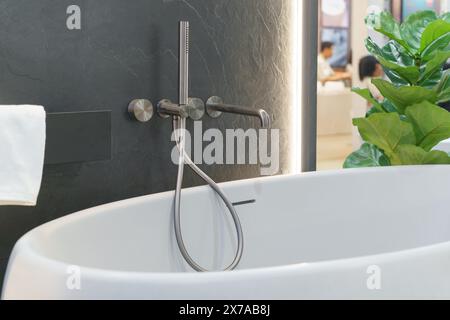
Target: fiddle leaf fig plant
[[405, 127]]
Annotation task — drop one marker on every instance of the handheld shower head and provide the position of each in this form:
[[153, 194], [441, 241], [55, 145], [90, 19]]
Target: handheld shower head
[[184, 64]]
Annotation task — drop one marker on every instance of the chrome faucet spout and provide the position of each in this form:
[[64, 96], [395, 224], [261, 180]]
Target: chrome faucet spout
[[215, 107], [266, 121]]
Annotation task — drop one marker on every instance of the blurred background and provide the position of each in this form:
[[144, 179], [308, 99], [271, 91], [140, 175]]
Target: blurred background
[[343, 62]]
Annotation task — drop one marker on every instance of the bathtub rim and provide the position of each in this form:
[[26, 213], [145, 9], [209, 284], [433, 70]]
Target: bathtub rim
[[187, 277], [23, 245]]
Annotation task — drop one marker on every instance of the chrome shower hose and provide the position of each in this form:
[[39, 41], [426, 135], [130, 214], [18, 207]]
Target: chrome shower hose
[[179, 129]]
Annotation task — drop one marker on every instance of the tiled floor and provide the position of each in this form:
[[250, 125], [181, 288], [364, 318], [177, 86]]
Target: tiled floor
[[332, 151]]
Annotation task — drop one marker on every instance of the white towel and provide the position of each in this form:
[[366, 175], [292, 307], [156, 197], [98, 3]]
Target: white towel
[[22, 146]]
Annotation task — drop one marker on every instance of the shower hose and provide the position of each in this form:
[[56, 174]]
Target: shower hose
[[179, 125]]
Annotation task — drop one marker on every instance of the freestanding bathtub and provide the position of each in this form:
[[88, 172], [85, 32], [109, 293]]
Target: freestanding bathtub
[[355, 234]]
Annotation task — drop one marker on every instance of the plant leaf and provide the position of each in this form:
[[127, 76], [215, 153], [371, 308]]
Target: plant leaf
[[437, 157], [385, 23], [395, 78], [389, 106], [413, 155], [397, 54], [445, 17], [409, 155], [439, 44], [393, 52], [415, 25], [443, 87], [434, 31], [367, 95], [444, 96], [386, 131], [431, 124], [394, 61], [372, 111], [433, 80], [403, 97], [444, 82], [410, 74], [367, 156], [434, 65]]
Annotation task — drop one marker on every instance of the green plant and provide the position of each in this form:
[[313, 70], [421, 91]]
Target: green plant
[[404, 128]]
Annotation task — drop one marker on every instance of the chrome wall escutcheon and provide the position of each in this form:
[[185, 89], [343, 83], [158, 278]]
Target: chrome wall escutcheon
[[210, 109], [195, 108], [141, 109]]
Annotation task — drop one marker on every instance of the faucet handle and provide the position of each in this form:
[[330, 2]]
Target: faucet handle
[[141, 110]]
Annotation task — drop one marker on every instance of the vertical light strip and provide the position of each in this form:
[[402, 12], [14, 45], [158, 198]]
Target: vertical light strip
[[296, 85]]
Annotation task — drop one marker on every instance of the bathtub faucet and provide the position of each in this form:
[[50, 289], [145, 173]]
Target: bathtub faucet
[[194, 108], [215, 107]]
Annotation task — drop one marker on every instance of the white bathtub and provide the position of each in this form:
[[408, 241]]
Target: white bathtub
[[356, 234]]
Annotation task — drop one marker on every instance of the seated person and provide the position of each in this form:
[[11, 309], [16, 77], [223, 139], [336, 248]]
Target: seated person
[[324, 71], [370, 68]]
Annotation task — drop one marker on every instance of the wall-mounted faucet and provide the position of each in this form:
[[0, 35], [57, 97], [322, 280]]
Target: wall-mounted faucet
[[194, 108], [143, 110], [215, 106]]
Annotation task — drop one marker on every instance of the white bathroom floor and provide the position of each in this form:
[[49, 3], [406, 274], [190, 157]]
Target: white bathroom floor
[[332, 151]]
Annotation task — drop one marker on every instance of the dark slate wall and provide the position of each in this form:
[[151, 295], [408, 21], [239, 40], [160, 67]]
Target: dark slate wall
[[125, 50]]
